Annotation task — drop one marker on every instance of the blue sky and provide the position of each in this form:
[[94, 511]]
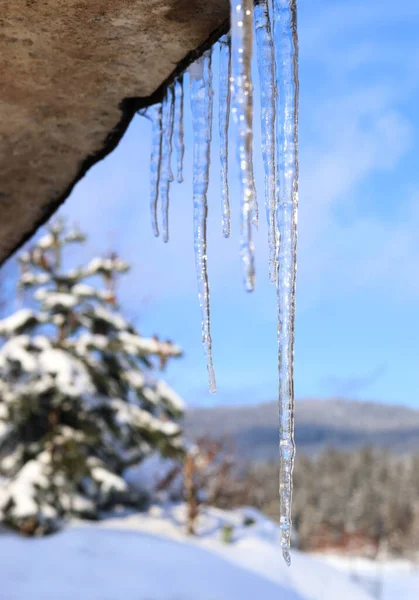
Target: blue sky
[[357, 327]]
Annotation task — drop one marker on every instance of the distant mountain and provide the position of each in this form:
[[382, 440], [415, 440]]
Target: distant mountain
[[343, 424]]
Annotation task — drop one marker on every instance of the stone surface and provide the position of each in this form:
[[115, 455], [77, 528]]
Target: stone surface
[[72, 75]]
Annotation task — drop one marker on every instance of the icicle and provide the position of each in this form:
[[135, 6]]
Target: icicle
[[285, 34], [223, 122], [266, 66], [200, 74], [242, 108], [154, 113], [254, 208], [166, 175], [279, 117], [178, 128]]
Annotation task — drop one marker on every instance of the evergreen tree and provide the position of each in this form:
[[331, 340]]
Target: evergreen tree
[[78, 399]]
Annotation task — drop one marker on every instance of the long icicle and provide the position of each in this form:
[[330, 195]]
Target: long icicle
[[223, 123], [200, 74], [266, 67], [166, 175], [178, 132], [154, 113], [285, 34], [242, 109]]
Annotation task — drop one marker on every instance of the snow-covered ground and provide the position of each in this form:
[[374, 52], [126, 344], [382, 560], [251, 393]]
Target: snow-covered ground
[[385, 580], [148, 557]]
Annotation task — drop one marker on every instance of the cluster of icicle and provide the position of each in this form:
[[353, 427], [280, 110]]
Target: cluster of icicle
[[273, 23]]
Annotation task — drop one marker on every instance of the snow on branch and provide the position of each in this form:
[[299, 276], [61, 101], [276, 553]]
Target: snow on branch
[[32, 279], [83, 291], [140, 346], [168, 396], [106, 266], [55, 300], [22, 320], [131, 415]]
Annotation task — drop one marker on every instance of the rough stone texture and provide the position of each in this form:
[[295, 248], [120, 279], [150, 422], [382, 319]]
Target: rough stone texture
[[72, 75]]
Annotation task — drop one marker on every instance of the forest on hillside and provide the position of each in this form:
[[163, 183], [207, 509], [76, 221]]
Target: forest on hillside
[[364, 502]]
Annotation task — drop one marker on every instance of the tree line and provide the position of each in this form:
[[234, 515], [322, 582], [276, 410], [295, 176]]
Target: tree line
[[362, 502]]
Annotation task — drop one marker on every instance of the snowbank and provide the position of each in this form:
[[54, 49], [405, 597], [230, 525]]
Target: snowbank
[[97, 564], [147, 557]]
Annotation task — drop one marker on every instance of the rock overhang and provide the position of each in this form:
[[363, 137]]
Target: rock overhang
[[73, 74]]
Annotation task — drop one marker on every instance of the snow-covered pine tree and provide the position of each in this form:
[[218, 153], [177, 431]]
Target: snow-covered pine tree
[[78, 399]]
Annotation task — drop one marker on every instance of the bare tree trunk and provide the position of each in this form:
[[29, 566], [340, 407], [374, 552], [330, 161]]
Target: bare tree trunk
[[190, 493]]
